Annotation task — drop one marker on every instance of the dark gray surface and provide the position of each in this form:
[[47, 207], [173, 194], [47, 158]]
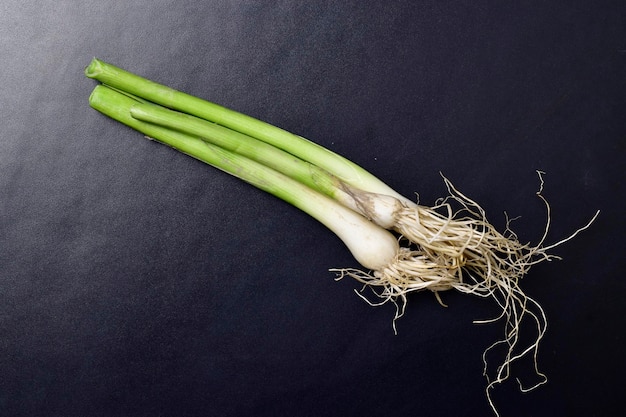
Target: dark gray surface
[[136, 281]]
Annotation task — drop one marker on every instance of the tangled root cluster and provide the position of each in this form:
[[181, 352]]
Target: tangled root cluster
[[452, 245]]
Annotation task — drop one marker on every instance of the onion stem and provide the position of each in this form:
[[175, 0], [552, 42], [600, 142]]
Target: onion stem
[[372, 246], [379, 208], [239, 143]]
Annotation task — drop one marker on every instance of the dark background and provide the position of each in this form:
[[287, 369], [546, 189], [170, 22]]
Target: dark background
[[135, 281]]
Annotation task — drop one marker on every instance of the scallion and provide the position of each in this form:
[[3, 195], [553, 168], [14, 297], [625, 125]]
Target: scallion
[[451, 245]]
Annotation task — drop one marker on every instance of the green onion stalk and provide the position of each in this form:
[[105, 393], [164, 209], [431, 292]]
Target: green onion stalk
[[451, 245], [374, 247]]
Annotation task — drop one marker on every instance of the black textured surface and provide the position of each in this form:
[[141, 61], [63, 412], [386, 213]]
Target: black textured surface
[[135, 281]]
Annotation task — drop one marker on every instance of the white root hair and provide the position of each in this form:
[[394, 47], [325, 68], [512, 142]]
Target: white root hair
[[459, 249]]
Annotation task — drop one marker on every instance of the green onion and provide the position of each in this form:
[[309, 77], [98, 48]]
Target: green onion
[[451, 245], [455, 234]]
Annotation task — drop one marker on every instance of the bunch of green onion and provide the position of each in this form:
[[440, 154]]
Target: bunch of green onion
[[402, 246]]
